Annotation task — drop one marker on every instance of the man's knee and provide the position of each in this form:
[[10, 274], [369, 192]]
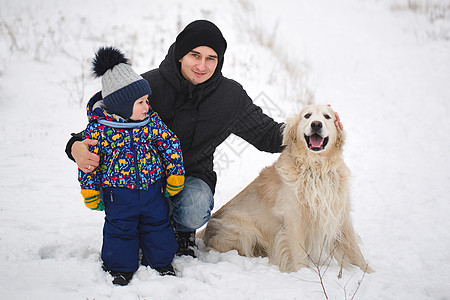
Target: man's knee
[[197, 213], [193, 206]]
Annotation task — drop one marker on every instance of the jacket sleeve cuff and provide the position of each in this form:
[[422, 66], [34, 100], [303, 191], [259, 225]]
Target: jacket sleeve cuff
[[75, 138]]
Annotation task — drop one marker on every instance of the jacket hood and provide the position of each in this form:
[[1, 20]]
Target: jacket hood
[[96, 110]]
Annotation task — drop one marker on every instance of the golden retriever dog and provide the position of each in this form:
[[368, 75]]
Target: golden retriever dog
[[298, 209]]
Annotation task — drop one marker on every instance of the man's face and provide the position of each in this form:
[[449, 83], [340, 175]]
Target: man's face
[[199, 64]]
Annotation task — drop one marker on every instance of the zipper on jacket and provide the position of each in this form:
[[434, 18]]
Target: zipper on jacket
[[113, 162], [133, 149], [112, 198]]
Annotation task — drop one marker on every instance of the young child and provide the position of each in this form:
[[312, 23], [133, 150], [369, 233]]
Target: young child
[[137, 154]]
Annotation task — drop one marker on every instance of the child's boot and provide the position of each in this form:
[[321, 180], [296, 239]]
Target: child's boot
[[167, 270]]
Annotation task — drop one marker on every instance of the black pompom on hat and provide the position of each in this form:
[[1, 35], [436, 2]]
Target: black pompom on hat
[[121, 85], [200, 33]]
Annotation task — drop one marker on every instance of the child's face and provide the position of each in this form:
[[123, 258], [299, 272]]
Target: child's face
[[140, 109]]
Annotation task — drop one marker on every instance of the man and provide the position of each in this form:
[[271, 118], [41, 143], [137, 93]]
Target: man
[[202, 108]]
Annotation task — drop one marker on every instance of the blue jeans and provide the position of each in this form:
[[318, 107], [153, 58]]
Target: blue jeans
[[191, 208]]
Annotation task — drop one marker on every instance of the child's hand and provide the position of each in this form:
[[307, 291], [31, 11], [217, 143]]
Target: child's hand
[[92, 200], [175, 184]]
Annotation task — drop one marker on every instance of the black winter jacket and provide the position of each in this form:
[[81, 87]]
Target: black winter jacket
[[203, 116]]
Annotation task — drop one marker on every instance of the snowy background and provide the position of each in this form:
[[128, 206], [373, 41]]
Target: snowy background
[[384, 65]]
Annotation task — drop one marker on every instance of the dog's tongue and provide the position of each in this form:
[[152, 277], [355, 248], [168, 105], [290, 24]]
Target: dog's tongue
[[315, 140]]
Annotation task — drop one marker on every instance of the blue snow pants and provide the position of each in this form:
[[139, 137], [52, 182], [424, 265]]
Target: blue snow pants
[[137, 219]]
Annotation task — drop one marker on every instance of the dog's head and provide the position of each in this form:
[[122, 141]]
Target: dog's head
[[313, 130]]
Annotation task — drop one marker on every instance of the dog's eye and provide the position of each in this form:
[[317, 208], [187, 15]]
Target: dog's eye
[[327, 117], [307, 116]]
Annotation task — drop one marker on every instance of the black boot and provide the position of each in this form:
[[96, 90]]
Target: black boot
[[167, 270], [186, 243], [120, 278]]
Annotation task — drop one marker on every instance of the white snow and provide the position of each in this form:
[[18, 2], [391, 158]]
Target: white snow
[[385, 69]]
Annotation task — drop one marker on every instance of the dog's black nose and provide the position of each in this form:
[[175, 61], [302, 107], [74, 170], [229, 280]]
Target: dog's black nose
[[316, 124]]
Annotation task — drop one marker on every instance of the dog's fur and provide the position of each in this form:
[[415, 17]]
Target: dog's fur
[[298, 208]]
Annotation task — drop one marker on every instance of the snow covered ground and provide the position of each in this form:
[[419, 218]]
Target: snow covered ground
[[385, 69]]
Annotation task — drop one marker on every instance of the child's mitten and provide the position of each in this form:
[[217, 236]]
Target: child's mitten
[[175, 184], [92, 200]]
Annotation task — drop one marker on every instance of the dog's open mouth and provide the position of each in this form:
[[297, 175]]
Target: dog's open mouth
[[316, 142]]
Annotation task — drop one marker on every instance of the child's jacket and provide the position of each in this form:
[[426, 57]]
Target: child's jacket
[[132, 155]]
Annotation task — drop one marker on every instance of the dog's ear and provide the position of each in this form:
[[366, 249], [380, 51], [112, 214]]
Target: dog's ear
[[290, 130]]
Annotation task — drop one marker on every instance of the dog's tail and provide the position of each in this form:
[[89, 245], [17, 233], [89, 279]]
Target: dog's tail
[[235, 234]]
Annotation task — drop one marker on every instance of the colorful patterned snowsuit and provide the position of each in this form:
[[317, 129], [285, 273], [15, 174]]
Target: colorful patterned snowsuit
[[134, 160]]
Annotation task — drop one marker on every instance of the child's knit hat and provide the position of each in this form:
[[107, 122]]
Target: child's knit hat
[[121, 86]]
